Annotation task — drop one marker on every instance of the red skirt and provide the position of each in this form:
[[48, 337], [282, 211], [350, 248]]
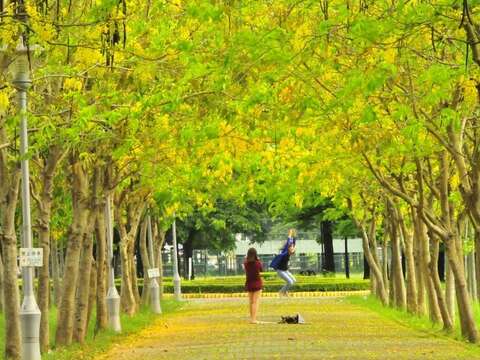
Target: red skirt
[[254, 286]]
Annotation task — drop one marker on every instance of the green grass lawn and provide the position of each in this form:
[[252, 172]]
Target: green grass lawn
[[103, 340], [419, 323]]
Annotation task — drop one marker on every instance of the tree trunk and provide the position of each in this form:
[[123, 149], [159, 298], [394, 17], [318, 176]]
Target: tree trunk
[[43, 294], [55, 272], [145, 262], [454, 248], [472, 281], [77, 231], [391, 285], [327, 240], [412, 296], [100, 234], [128, 302], [467, 320], [385, 261], [347, 259], [375, 269], [43, 224], [434, 310], [373, 286], [420, 279], [8, 241], [129, 296], [433, 272], [449, 289], [477, 261], [366, 268], [441, 265], [83, 292], [1, 283], [397, 271], [133, 271], [92, 299]]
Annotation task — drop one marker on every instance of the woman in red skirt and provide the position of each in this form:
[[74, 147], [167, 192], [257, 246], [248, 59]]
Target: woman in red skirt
[[254, 283]]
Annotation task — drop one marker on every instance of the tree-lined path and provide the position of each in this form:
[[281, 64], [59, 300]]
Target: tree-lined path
[[336, 329]]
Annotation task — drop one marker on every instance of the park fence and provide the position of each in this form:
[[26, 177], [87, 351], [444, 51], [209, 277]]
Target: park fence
[[205, 263]]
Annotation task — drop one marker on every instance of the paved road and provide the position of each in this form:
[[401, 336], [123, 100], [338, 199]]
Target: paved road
[[336, 329]]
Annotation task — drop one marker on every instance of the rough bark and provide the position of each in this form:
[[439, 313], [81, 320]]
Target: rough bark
[[397, 271], [83, 290], [80, 202], [1, 283], [100, 234], [449, 234], [133, 271], [44, 203], [449, 289], [477, 261], [133, 212], [467, 320], [385, 263], [55, 272], [366, 269], [92, 298], [433, 272], [9, 187], [127, 297], [469, 178], [412, 296], [434, 309], [420, 279], [470, 271], [374, 265]]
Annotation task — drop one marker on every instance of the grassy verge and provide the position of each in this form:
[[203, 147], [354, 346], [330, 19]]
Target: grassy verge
[[95, 345], [421, 323]]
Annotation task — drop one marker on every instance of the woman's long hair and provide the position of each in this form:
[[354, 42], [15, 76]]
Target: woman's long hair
[[252, 255]]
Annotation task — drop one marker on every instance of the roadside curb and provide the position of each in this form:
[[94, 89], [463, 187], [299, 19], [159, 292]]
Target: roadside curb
[[299, 294]]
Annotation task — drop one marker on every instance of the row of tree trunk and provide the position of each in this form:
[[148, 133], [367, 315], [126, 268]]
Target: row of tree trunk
[[79, 277], [414, 229]]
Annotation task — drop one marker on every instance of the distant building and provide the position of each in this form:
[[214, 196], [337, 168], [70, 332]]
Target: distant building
[[308, 254]]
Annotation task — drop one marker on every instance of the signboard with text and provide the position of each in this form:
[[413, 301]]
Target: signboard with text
[[153, 273], [31, 257]]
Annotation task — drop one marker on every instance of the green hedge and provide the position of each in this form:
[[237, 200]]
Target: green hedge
[[272, 283], [269, 287]]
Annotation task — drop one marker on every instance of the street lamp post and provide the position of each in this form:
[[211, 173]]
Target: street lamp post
[[176, 277], [113, 299], [29, 311], [154, 288]]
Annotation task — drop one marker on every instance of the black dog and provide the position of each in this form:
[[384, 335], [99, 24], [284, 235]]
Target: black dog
[[296, 319]]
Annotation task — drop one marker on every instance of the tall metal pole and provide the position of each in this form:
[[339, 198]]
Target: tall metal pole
[[29, 311], [154, 288], [176, 277], [113, 299]]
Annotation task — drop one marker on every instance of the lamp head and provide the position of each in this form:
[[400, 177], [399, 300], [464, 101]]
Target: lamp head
[[21, 67], [21, 64]]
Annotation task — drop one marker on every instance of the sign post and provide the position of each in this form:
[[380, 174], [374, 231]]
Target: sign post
[[29, 312]]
